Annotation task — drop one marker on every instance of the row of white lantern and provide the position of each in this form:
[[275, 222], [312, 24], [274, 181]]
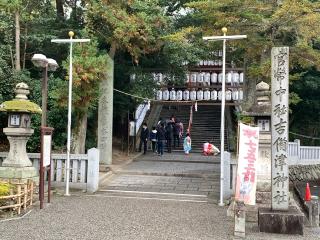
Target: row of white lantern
[[194, 95], [206, 78], [214, 62]]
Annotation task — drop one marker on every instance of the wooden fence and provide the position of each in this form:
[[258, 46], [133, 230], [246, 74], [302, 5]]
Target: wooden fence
[[303, 155], [84, 173], [20, 196]]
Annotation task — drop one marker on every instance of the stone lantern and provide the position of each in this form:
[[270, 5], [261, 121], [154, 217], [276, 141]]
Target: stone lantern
[[17, 165]]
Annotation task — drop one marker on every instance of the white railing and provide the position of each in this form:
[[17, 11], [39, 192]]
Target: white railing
[[84, 173], [303, 155]]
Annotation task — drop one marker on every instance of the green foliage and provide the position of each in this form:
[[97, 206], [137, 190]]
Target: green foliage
[[305, 117], [88, 70], [267, 24], [132, 26], [4, 189]]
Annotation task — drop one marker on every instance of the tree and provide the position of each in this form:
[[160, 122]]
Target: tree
[[130, 26], [88, 71], [268, 24]]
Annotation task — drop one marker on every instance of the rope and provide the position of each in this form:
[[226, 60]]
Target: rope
[[305, 136], [131, 95]]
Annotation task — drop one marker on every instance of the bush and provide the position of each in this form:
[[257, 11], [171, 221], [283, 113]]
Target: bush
[[4, 189]]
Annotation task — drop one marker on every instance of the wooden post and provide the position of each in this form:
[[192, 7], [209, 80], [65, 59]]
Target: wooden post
[[19, 194], [43, 165], [25, 195], [31, 193]]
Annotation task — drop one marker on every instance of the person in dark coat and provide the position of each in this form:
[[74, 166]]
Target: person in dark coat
[[169, 135], [161, 138], [144, 138]]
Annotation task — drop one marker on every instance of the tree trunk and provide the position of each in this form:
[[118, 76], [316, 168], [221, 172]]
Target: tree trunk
[[25, 47], [59, 8], [17, 22], [80, 132]]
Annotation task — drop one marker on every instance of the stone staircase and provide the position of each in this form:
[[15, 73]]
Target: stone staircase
[[205, 126]]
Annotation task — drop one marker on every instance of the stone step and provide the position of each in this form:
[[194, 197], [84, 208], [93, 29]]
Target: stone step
[[201, 198]]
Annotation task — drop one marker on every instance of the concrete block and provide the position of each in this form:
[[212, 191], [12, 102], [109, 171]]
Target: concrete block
[[283, 222], [240, 220]]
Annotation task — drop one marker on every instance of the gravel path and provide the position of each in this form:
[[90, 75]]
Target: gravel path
[[102, 217]]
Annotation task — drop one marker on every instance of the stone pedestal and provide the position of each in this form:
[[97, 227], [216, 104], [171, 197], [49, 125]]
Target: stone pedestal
[[240, 220], [283, 222], [18, 165], [264, 168]]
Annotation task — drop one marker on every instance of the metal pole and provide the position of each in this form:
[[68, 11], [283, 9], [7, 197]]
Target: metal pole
[[69, 121], [41, 173], [222, 118], [44, 96]]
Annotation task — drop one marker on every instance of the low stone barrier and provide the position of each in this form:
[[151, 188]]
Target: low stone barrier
[[84, 169]]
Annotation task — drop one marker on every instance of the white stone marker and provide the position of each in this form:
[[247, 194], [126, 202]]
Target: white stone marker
[[279, 128]]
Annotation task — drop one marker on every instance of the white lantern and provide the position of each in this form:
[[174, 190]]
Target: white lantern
[[200, 78], [229, 77], [193, 95], [220, 95], [240, 94], [220, 77], [235, 95], [159, 95], [199, 95], [201, 63], [241, 77], [214, 78], [214, 95], [186, 95], [205, 62], [179, 95], [207, 77], [187, 79], [165, 95], [228, 95], [194, 78], [172, 95], [206, 95], [235, 78]]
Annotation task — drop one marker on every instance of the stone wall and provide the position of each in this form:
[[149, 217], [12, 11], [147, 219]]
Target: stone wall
[[304, 173]]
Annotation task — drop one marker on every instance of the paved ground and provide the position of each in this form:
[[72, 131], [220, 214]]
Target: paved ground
[[99, 216], [186, 185], [171, 168], [167, 199]]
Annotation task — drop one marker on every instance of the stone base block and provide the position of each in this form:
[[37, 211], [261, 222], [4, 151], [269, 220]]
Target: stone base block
[[19, 173], [104, 168], [283, 222], [263, 197]]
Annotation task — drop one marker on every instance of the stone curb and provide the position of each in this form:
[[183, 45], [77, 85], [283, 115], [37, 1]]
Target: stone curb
[[194, 175]]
